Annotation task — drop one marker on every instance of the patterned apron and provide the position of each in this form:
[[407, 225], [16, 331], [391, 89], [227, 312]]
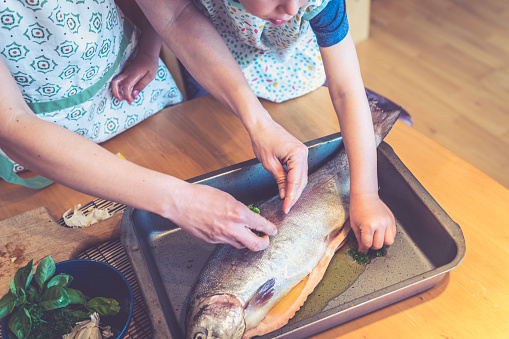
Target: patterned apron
[[280, 62], [63, 56]]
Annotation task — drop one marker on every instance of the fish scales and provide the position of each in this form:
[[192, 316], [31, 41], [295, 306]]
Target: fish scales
[[237, 288]]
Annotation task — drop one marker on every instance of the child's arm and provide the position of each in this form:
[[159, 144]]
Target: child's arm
[[371, 220], [142, 69], [197, 44], [74, 161]]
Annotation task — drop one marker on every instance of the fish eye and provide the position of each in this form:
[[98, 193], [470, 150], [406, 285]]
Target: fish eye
[[200, 335]]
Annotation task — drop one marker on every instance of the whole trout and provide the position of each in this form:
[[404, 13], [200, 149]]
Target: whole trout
[[237, 288]]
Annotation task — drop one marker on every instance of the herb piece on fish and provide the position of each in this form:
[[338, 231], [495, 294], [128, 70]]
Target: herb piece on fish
[[254, 209], [257, 211]]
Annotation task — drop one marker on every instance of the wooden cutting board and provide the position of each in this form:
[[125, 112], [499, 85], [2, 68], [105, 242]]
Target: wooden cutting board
[[35, 234]]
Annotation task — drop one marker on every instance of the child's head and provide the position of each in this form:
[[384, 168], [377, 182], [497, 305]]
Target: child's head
[[275, 11]]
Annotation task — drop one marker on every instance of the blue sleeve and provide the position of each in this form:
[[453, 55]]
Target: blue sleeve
[[331, 24]]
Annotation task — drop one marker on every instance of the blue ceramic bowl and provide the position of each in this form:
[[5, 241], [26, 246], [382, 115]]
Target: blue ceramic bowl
[[98, 279]]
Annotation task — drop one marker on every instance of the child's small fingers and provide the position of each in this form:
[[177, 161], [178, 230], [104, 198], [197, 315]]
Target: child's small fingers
[[141, 84], [390, 234], [127, 90], [130, 85], [115, 85]]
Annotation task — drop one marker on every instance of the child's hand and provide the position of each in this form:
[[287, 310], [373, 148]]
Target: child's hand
[[275, 147], [135, 77], [372, 222]]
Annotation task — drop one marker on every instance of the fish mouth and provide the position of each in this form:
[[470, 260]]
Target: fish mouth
[[219, 316]]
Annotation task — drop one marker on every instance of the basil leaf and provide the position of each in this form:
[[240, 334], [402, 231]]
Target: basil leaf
[[21, 296], [7, 304], [13, 287], [54, 297], [80, 314], [44, 271], [23, 276], [21, 323], [103, 306], [62, 280], [75, 296], [31, 294]]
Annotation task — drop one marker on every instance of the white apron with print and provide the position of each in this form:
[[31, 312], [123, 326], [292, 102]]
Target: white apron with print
[[63, 56]]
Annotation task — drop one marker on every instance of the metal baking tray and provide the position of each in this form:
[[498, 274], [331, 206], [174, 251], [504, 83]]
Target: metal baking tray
[[167, 260]]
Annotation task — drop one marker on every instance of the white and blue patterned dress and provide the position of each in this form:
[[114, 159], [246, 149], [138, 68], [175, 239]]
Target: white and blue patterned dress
[[63, 55]]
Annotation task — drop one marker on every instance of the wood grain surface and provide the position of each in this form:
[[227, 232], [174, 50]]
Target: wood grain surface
[[447, 63], [35, 234], [199, 136]]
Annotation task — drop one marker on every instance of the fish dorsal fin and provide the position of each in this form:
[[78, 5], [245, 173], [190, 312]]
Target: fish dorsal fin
[[263, 294]]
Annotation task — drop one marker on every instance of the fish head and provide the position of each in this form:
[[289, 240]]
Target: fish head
[[216, 317]]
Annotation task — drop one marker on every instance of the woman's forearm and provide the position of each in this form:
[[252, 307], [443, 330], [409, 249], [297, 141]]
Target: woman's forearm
[[201, 49], [78, 163]]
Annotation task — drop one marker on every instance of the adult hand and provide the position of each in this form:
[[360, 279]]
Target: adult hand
[[217, 217], [135, 77], [372, 222], [275, 147]]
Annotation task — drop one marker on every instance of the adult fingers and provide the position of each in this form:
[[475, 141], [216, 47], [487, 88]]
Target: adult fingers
[[257, 223], [279, 173], [297, 179], [252, 241]]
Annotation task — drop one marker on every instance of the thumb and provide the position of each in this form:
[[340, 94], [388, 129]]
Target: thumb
[[279, 173], [141, 84]]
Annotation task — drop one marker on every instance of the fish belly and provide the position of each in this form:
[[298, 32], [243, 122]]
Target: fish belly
[[285, 309]]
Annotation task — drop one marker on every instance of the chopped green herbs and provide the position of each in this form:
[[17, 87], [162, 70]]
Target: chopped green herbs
[[254, 209], [365, 258], [52, 324]]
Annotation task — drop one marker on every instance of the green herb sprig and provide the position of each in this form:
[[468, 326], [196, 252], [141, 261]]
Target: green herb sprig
[[31, 296], [257, 211]]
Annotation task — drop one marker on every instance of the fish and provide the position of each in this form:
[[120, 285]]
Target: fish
[[241, 293]]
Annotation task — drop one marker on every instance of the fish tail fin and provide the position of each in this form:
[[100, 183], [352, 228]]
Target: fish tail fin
[[383, 120]]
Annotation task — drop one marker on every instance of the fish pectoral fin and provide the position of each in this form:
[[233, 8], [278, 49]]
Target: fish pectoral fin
[[263, 294]]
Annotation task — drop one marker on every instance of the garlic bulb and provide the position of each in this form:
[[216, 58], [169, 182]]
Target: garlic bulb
[[87, 329], [107, 332], [78, 219]]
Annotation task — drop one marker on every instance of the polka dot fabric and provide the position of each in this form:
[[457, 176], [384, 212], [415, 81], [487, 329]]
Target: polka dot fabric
[[280, 62]]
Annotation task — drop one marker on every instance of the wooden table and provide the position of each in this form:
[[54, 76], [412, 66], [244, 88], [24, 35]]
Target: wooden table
[[199, 136]]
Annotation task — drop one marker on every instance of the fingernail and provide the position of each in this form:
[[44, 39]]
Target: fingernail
[[275, 231], [282, 193]]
